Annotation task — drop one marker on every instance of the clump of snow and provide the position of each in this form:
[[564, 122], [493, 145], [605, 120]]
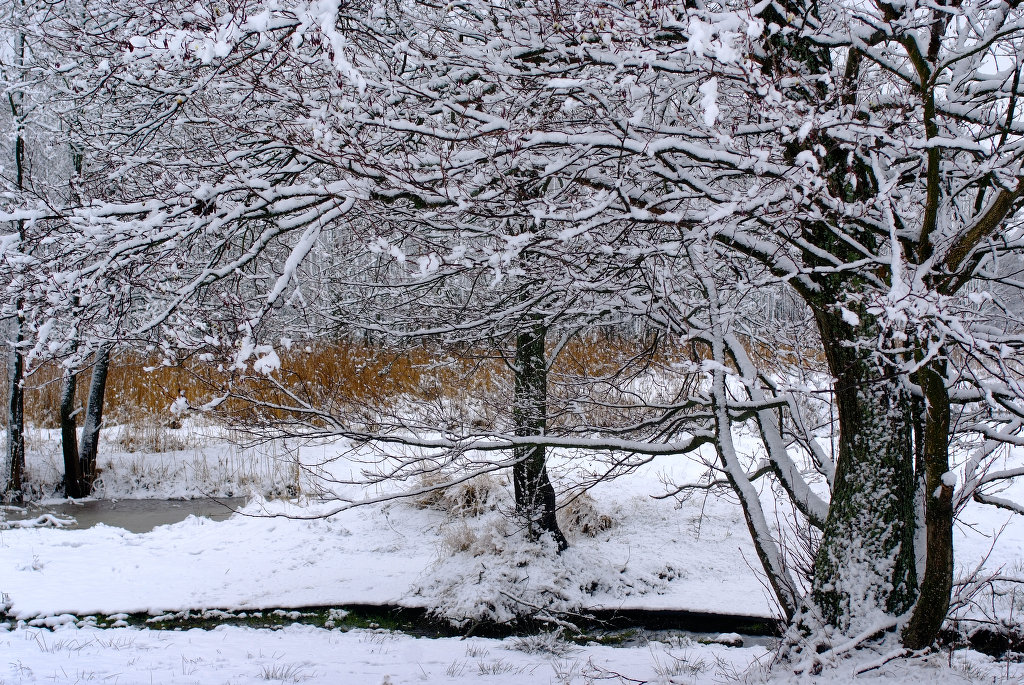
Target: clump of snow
[[179, 406], [333, 616], [729, 639], [709, 100], [54, 621], [44, 521], [849, 317], [806, 158], [268, 363]]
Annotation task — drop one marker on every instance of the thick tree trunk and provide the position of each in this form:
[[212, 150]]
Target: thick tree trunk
[[16, 418], [937, 580], [535, 496], [94, 417], [865, 570], [74, 486]]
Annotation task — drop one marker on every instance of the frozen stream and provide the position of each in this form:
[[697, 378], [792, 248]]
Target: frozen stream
[[134, 515]]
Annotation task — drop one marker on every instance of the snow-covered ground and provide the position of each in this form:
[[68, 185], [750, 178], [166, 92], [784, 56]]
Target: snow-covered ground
[[645, 553], [312, 655], [303, 654], [653, 556]]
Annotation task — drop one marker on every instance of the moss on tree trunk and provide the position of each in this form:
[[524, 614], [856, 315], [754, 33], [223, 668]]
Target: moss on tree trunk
[[865, 565]]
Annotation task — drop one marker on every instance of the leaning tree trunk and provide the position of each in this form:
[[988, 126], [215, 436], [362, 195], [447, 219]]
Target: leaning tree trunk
[[535, 496], [865, 570], [16, 417], [74, 485], [94, 417]]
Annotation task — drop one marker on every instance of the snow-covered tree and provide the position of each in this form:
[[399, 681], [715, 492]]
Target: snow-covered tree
[[215, 186], [30, 169], [867, 157]]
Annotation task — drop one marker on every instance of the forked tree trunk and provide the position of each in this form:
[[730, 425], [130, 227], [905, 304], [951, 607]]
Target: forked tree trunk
[[74, 485], [865, 569], [535, 496], [94, 416]]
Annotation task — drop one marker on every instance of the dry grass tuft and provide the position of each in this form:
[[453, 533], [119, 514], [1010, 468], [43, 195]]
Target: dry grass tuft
[[580, 516], [486, 536], [467, 499]]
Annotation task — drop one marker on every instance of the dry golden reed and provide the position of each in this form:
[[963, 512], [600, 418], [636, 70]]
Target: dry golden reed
[[336, 378]]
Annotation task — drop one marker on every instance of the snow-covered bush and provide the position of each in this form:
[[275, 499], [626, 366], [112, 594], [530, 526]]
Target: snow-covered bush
[[472, 497], [987, 610], [550, 643], [490, 571]]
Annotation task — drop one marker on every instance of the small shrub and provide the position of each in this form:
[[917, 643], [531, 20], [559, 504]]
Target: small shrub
[[676, 666], [457, 538]]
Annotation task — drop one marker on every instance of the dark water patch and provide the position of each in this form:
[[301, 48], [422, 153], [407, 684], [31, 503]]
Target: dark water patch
[[134, 515], [672, 619], [612, 628], [1002, 642]]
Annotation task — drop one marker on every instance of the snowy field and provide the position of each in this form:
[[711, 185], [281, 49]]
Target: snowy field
[[629, 551]]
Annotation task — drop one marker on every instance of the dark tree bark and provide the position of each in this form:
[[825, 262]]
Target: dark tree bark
[[16, 418], [866, 559], [74, 485], [535, 496], [867, 554], [94, 416], [937, 580], [16, 364], [866, 563]]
